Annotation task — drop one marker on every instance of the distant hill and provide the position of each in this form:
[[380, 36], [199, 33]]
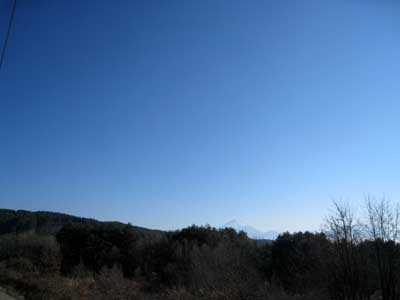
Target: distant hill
[[44, 222], [251, 231]]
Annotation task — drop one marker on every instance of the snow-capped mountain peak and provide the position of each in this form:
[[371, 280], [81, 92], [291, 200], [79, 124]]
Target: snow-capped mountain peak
[[251, 231]]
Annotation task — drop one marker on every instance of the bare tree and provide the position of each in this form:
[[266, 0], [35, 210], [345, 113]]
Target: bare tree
[[382, 228], [343, 226], [383, 219], [345, 232]]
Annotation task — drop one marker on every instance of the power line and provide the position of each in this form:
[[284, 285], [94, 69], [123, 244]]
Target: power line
[[10, 22]]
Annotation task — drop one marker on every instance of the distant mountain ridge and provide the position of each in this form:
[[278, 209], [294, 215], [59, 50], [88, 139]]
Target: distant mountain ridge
[[251, 231], [44, 222]]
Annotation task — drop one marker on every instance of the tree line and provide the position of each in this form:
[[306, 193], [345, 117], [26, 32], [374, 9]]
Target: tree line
[[355, 257]]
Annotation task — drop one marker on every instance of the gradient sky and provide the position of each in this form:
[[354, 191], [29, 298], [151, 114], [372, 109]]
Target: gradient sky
[[168, 113]]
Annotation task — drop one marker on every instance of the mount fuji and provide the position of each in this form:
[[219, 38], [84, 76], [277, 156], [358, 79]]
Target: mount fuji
[[251, 231]]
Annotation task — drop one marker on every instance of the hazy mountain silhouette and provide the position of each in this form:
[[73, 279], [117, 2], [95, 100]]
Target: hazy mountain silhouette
[[43, 222], [251, 231]]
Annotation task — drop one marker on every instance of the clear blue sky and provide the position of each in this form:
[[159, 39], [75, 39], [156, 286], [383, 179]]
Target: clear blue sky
[[168, 113]]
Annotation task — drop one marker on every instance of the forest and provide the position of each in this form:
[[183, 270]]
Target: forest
[[355, 256]]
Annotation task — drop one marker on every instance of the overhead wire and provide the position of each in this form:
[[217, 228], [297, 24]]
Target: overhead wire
[[10, 22]]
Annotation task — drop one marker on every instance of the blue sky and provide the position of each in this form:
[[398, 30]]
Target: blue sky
[[168, 113]]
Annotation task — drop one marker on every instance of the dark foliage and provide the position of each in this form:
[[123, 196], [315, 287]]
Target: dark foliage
[[299, 261], [87, 259]]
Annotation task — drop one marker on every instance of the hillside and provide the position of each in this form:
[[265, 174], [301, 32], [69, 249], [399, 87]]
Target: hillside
[[44, 222], [93, 260]]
